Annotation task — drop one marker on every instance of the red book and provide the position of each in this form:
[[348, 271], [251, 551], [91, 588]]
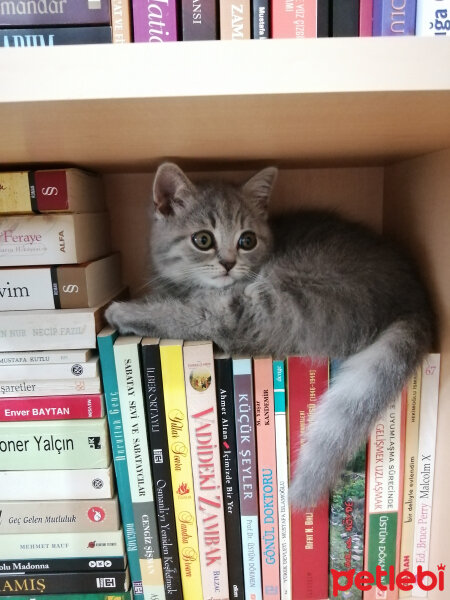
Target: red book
[[296, 19], [365, 18], [49, 408], [307, 380]]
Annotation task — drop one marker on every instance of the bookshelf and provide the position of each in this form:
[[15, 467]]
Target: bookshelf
[[362, 125]]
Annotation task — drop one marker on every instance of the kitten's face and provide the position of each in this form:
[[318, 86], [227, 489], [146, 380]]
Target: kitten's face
[[209, 235]]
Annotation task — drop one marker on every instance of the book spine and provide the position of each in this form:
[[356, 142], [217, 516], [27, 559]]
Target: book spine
[[307, 380], [296, 19], [51, 387], [44, 358], [248, 480], [204, 440], [433, 17], [60, 516], [200, 20], [260, 19], [284, 524], [28, 289], [323, 18], [93, 12], [67, 484], [64, 371], [56, 445], [15, 194], [109, 376], [345, 18], [181, 468], [425, 467], [16, 584], [228, 451], [390, 19], [160, 461], [267, 477], [365, 18], [155, 21], [141, 485], [46, 408], [121, 21], [96, 562], [94, 596], [54, 36], [410, 480], [235, 21], [385, 462]]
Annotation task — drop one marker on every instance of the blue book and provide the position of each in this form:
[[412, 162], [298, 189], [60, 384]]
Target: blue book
[[389, 21], [106, 339]]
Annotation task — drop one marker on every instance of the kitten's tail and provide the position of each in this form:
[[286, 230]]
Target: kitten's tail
[[362, 389]]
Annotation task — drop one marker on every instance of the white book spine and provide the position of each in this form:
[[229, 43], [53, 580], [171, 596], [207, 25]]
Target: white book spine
[[425, 467], [433, 18], [25, 289], [283, 505], [73, 371], [67, 484], [49, 387], [51, 357]]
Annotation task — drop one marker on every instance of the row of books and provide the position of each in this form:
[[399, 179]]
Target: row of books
[[172, 20]]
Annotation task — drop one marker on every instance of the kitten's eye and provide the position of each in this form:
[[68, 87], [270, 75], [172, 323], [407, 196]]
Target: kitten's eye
[[247, 241], [203, 240]]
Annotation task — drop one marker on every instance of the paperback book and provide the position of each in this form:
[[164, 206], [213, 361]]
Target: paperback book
[[388, 20], [121, 21], [155, 21], [296, 19], [433, 18], [45, 408], [54, 36], [88, 370], [47, 387], [200, 20], [45, 357], [23, 13], [235, 20]]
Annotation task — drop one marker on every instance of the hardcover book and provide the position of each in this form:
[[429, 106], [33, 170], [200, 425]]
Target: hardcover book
[[235, 21], [45, 357], [51, 190], [307, 380], [230, 480], [345, 18], [48, 387], [390, 18], [365, 18], [200, 20], [86, 370], [45, 408], [155, 20], [26, 13], [296, 19], [53, 239], [121, 21], [106, 339], [433, 17], [54, 36], [60, 516], [126, 356], [160, 462], [171, 352], [77, 444], [201, 404], [267, 477], [244, 404], [261, 13]]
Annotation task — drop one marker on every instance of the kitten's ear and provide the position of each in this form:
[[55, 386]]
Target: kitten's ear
[[172, 190], [259, 187]]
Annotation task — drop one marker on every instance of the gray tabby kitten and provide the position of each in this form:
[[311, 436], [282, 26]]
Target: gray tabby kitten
[[305, 283]]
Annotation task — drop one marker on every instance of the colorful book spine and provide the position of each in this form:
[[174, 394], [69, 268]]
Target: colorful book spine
[[97, 561], [54, 36], [248, 479], [284, 524], [345, 18], [391, 18], [228, 453], [60, 516], [126, 357], [425, 467], [62, 371], [365, 18], [235, 20], [106, 340], [46, 408], [413, 395], [54, 445], [49, 357], [58, 387], [385, 465], [52, 239], [49, 583], [261, 19], [307, 380], [204, 436], [433, 17], [160, 462], [121, 21], [171, 352], [267, 477], [155, 20], [64, 484], [81, 12], [296, 19], [95, 596], [200, 20]]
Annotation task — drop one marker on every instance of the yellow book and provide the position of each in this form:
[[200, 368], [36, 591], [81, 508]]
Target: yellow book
[[15, 193], [180, 466]]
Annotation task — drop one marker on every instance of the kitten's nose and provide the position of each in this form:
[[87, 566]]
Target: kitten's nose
[[227, 264]]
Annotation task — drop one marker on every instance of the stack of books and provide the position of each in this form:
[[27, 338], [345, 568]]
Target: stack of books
[[60, 530]]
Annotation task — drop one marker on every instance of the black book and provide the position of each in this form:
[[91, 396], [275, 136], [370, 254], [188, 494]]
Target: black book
[[260, 19], [230, 480], [159, 458], [54, 36], [63, 583], [323, 18], [64, 565], [345, 18]]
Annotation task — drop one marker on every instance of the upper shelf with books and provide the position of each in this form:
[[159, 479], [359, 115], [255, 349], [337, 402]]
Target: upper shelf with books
[[125, 107]]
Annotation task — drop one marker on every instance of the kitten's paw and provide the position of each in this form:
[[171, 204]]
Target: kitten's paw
[[116, 314]]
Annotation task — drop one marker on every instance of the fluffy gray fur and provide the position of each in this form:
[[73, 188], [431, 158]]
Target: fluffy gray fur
[[314, 284]]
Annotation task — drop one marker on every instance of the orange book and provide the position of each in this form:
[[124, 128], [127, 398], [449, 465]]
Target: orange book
[[294, 18], [235, 20]]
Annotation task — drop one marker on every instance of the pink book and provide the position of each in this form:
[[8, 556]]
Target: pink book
[[155, 21], [49, 408], [365, 18], [267, 477], [296, 19], [206, 468]]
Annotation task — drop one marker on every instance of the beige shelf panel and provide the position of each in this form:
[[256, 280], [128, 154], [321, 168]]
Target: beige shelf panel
[[301, 102]]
